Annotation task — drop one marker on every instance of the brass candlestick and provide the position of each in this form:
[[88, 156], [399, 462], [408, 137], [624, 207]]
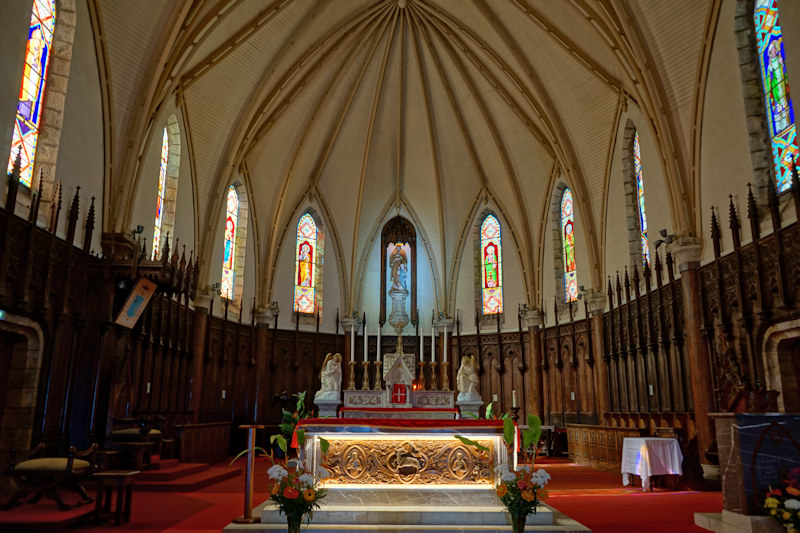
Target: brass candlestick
[[378, 378], [352, 385], [365, 375], [445, 378], [421, 378], [433, 375]]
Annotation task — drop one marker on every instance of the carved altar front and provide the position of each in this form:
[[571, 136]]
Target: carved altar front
[[405, 452]]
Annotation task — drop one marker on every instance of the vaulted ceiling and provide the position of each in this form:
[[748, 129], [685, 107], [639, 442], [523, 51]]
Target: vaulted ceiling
[[432, 105]]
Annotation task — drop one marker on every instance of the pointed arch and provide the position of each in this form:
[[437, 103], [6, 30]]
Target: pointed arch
[[633, 176], [567, 224], [308, 261], [490, 263], [25, 136], [166, 197], [237, 215]]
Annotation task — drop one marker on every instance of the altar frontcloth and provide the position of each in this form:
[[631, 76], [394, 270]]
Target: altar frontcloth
[[411, 413], [650, 456]]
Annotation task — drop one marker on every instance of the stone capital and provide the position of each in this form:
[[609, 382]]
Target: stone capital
[[351, 323], [442, 322], [264, 315], [687, 251], [202, 299], [531, 318], [596, 301]]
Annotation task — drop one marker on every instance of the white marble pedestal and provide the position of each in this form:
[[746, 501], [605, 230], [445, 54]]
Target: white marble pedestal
[[328, 408], [411, 511]]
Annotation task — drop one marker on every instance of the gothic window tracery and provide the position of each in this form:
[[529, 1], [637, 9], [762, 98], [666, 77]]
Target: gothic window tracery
[[305, 297], [229, 253], [31, 94], [491, 266], [162, 190], [568, 247], [637, 166], [777, 97]]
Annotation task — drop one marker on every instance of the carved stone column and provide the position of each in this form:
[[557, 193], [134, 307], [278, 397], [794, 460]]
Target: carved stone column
[[532, 319], [263, 317], [597, 305], [688, 251], [201, 304]]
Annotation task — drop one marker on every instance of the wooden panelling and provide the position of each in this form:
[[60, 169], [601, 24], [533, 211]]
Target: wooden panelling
[[599, 446], [203, 443]]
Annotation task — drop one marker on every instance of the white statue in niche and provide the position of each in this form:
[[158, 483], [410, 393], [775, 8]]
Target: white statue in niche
[[331, 378], [467, 380]]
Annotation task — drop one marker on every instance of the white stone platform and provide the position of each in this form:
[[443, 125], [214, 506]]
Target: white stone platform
[[413, 510]]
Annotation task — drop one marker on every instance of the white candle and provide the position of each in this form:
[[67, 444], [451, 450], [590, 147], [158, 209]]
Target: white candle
[[513, 398], [352, 343], [378, 350], [433, 341], [366, 338], [421, 345], [494, 397], [444, 341]]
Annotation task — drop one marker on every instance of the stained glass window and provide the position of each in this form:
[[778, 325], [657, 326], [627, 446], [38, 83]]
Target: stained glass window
[[568, 247], [491, 266], [31, 93], [305, 266], [229, 254], [637, 167], [780, 114], [162, 189]]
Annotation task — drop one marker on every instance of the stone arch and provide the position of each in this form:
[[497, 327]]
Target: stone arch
[[171, 191], [26, 342], [781, 358]]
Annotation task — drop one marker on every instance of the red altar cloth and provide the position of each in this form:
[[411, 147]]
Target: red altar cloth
[[343, 410]]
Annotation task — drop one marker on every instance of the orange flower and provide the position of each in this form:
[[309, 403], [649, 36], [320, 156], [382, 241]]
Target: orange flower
[[275, 489], [543, 495], [528, 495], [502, 490], [793, 491], [290, 493], [309, 495]]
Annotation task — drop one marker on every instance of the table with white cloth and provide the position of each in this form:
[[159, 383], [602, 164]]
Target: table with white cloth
[[650, 456]]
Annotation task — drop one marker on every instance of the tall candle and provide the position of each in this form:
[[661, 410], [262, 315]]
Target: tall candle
[[352, 343], [366, 338], [513, 398], [378, 349], [444, 341], [494, 397], [421, 345], [433, 341]]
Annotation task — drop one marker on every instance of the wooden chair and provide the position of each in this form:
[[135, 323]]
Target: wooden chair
[[45, 476]]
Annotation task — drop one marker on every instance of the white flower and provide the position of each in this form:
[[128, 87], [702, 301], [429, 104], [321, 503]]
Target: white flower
[[277, 472], [322, 473], [501, 469], [526, 468], [540, 477], [792, 504], [508, 477], [306, 479]]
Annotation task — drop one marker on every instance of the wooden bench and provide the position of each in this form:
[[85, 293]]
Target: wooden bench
[[45, 476]]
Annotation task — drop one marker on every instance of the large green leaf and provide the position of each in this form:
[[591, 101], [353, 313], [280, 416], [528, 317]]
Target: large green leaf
[[301, 437], [532, 435], [324, 445], [477, 445], [280, 440], [489, 414], [509, 431]]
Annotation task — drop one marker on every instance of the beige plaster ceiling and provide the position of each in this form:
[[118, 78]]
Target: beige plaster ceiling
[[436, 105]]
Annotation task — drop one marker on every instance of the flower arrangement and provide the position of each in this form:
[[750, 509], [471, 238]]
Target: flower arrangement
[[296, 493], [520, 491], [782, 502]]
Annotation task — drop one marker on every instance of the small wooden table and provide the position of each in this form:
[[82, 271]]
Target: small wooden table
[[122, 480]]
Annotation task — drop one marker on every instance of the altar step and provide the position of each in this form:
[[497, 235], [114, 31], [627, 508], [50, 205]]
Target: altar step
[[412, 510]]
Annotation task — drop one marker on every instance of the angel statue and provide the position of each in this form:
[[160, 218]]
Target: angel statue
[[467, 380], [331, 378]]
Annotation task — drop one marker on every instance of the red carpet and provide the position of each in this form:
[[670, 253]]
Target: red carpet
[[596, 499]]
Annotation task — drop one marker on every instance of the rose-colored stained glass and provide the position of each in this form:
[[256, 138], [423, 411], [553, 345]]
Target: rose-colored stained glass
[[637, 166], [568, 247], [491, 266], [229, 253], [305, 266]]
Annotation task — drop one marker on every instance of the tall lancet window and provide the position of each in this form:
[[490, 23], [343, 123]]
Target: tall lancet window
[[780, 114], [162, 189], [31, 93], [637, 167], [491, 266], [229, 254], [568, 247], [305, 266]]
